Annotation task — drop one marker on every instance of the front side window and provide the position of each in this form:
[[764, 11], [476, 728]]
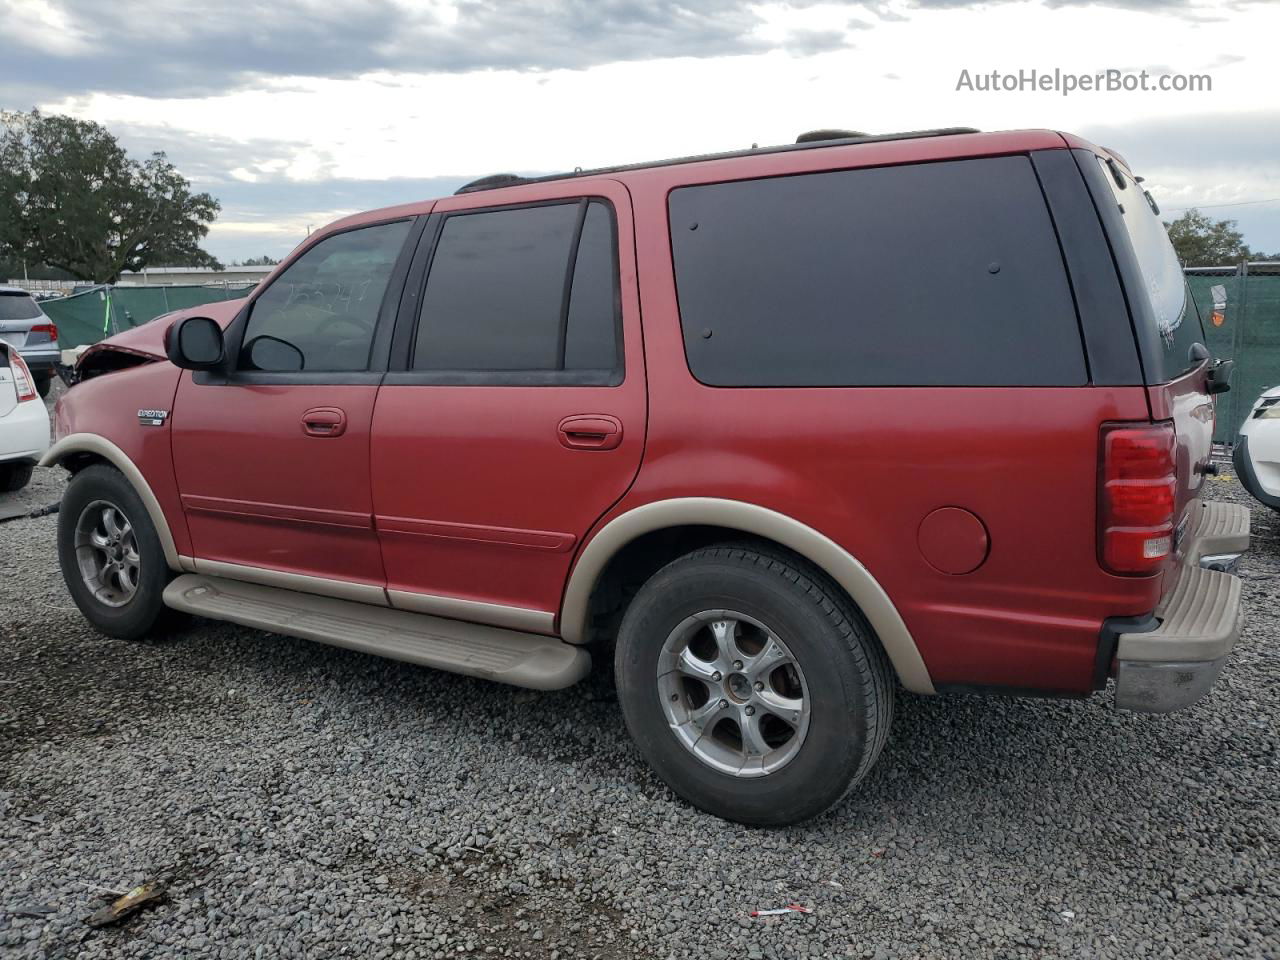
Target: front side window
[[18, 306], [319, 315], [523, 291]]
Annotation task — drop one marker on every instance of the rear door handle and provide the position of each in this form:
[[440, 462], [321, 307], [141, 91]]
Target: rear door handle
[[595, 431], [324, 422]]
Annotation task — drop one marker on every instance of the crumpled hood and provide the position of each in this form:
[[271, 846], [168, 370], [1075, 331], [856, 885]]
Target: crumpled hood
[[147, 340]]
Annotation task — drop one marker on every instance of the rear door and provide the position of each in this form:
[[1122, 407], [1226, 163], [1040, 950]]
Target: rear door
[[514, 412]]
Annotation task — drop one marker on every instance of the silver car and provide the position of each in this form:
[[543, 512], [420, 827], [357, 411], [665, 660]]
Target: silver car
[[25, 326]]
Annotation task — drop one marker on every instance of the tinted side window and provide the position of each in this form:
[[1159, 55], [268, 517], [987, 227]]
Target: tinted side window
[[937, 274], [326, 303], [531, 289]]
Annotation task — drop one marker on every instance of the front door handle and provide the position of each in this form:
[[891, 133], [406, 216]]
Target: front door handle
[[324, 422], [595, 431]]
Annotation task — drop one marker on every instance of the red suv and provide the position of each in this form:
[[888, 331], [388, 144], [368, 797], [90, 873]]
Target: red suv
[[778, 430]]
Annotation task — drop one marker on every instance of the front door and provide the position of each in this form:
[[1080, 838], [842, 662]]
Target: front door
[[272, 455], [513, 415]]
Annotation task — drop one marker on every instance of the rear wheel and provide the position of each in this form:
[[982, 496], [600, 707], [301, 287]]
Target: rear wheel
[[110, 554], [751, 685], [44, 383], [14, 476]]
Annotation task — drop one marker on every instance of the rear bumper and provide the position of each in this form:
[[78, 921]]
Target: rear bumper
[[24, 433], [1196, 624], [41, 358]]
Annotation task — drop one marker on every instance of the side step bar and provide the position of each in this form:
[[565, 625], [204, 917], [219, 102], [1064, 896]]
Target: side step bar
[[521, 659]]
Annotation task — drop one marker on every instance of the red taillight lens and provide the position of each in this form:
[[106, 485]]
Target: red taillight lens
[[1136, 501], [22, 378], [50, 328]]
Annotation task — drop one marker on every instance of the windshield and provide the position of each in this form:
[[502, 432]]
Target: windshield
[[1176, 319], [18, 306]]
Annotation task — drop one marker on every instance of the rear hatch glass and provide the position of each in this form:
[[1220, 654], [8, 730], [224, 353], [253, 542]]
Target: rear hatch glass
[[17, 313], [1173, 311]]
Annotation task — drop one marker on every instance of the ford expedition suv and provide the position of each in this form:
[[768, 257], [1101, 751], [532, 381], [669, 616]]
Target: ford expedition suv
[[780, 431]]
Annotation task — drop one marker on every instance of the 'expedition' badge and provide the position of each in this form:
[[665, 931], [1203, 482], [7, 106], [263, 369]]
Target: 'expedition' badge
[[152, 418]]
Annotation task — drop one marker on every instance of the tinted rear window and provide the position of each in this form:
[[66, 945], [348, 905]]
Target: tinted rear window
[[18, 306], [939, 274], [1173, 311]]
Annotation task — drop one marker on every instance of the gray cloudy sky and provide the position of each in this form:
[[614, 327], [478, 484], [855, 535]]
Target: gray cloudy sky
[[294, 112]]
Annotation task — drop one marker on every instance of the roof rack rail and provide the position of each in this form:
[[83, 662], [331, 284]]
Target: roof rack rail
[[818, 139]]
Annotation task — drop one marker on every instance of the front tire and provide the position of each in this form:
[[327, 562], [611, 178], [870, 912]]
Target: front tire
[[14, 476], [110, 554], [751, 685]]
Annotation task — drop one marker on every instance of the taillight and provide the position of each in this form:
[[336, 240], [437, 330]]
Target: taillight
[[22, 378], [1138, 483], [50, 328]]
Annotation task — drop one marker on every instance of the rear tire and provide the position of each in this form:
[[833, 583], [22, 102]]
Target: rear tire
[[44, 383], [805, 730], [110, 554], [14, 476]]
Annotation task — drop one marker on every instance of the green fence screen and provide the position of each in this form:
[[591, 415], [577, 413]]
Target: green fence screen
[[1249, 333], [94, 314]]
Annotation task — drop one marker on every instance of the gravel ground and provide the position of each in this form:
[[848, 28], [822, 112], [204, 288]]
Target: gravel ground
[[308, 801]]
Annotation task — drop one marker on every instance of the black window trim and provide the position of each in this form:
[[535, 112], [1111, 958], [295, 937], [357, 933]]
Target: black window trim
[[1105, 322], [404, 340], [379, 348]]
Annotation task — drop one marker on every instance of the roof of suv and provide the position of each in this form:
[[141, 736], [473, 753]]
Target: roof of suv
[[912, 147]]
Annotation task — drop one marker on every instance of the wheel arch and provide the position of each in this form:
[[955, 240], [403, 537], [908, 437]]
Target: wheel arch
[[754, 520], [79, 450]]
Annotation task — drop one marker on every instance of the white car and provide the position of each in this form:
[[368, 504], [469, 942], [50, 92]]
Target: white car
[[1257, 452], [24, 421]]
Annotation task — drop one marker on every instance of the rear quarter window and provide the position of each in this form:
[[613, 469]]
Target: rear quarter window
[[937, 274]]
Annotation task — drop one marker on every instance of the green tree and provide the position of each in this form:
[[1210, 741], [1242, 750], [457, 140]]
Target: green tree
[[71, 198], [1202, 242], [263, 261]]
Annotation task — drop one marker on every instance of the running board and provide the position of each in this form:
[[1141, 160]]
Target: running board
[[520, 659]]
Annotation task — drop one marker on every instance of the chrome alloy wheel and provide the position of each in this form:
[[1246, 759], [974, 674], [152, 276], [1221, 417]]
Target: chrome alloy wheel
[[107, 553], [733, 693]]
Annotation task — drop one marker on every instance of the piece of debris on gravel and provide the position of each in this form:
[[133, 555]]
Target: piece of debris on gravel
[[306, 801]]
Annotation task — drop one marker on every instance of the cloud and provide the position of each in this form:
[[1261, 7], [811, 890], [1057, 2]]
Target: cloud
[[1206, 160], [167, 48]]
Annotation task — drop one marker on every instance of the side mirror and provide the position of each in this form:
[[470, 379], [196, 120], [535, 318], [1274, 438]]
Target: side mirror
[[1218, 376], [273, 354], [195, 343]]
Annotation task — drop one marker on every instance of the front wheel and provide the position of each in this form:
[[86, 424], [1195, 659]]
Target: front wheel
[[751, 685], [14, 476], [110, 554]]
